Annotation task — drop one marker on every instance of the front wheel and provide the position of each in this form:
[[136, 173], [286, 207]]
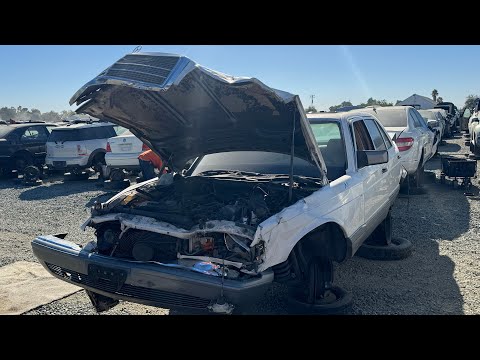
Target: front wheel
[[318, 295]]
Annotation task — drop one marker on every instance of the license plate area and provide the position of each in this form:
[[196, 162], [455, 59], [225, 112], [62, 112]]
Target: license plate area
[[126, 147], [99, 273]]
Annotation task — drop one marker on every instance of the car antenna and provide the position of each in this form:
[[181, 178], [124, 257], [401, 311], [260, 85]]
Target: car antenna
[[137, 49], [292, 153]]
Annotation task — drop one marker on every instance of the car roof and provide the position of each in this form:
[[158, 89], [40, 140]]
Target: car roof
[[83, 125], [340, 116], [20, 125]]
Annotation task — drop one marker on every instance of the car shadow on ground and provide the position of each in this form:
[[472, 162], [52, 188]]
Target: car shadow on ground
[[56, 189]]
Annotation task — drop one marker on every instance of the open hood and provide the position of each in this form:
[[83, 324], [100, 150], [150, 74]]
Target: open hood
[[183, 110]]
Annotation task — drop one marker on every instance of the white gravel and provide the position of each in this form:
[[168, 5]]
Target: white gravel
[[441, 277]]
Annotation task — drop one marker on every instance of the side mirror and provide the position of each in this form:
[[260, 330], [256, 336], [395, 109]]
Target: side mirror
[[371, 157]]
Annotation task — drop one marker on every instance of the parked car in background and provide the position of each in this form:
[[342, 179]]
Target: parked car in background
[[23, 144], [435, 124], [474, 131], [411, 134], [434, 120], [465, 115], [447, 131], [122, 152], [253, 207], [74, 148], [452, 114]]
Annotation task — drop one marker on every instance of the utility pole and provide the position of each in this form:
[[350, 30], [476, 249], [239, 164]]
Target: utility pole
[[312, 97]]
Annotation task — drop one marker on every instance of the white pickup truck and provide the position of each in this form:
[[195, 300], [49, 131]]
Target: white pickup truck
[[259, 204]]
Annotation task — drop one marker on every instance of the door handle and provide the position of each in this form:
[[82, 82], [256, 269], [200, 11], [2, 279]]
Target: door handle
[[384, 170]]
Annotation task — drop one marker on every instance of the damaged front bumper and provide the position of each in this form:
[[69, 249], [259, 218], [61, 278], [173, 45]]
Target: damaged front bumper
[[141, 282]]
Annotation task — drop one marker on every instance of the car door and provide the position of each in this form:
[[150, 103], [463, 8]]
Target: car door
[[394, 167], [430, 135], [33, 139], [374, 176], [421, 136]]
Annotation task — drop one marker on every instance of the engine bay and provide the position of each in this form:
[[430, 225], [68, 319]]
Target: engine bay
[[198, 203]]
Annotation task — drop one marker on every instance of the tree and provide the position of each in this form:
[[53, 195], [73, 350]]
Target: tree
[[434, 94], [343, 104], [469, 102], [311, 108], [372, 102], [440, 99]]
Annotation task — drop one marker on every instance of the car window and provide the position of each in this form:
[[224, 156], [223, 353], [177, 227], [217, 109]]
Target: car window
[[120, 130], [326, 131], [392, 118], [49, 128], [467, 113], [375, 134], [34, 134], [422, 122], [414, 120], [385, 136], [363, 141]]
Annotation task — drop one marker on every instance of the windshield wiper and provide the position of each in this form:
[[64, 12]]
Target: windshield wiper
[[229, 172]]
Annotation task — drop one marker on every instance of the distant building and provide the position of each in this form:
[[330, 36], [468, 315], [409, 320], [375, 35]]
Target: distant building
[[418, 101]]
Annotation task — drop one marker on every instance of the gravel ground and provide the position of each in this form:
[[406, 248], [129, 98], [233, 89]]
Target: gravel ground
[[441, 277]]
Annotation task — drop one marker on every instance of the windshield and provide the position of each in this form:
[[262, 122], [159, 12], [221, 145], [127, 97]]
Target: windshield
[[392, 118], [257, 162]]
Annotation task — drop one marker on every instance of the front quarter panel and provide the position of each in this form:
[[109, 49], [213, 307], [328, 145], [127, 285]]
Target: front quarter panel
[[341, 202]]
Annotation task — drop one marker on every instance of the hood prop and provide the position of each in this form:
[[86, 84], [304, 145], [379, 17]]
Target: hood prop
[[292, 154]]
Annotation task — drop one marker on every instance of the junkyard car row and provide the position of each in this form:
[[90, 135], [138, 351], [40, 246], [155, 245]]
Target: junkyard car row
[[257, 190]]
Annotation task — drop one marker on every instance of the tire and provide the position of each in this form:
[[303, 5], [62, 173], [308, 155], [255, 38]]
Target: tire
[[399, 249], [417, 179], [341, 305], [382, 235], [117, 175], [116, 185], [97, 163], [316, 295]]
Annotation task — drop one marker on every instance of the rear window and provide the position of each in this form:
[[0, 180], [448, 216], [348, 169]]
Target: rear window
[[102, 132], [427, 114], [392, 118]]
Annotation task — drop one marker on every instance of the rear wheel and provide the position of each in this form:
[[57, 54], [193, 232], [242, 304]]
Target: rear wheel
[[98, 163]]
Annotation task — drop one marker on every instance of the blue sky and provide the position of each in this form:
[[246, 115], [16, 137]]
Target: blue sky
[[45, 77]]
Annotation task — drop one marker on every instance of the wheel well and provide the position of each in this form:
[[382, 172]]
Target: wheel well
[[95, 154], [327, 240]]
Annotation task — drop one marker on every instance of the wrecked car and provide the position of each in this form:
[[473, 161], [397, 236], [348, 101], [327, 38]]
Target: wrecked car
[[255, 205]]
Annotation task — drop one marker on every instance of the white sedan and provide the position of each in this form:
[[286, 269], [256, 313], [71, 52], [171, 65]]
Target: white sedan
[[122, 152]]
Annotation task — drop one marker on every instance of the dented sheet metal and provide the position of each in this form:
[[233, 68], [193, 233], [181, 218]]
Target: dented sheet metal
[[150, 224], [183, 110]]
